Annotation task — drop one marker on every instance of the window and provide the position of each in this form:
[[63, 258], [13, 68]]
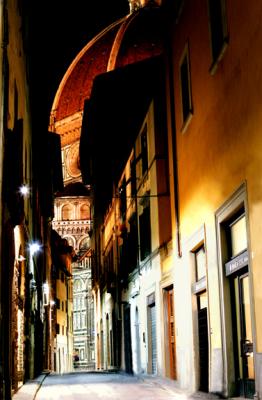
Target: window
[[132, 243], [145, 233], [85, 212], [218, 30], [122, 195], [238, 236], [67, 212], [200, 263], [133, 177], [58, 303], [144, 150], [185, 87]]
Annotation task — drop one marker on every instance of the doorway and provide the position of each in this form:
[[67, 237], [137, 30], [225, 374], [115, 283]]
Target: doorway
[[236, 295], [137, 333], [202, 340], [152, 342], [170, 344], [127, 335], [242, 335], [108, 350]]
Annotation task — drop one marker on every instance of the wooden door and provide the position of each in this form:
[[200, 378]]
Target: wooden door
[[171, 333]]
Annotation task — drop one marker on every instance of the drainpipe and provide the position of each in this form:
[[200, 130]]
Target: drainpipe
[[174, 140], [174, 146], [136, 211], [176, 189]]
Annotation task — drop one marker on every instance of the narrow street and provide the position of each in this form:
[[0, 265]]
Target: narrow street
[[130, 200], [80, 386]]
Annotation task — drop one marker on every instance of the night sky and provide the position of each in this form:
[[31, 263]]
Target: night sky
[[59, 30]]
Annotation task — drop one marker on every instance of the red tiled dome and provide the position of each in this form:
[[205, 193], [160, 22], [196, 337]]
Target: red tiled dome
[[77, 83], [134, 38]]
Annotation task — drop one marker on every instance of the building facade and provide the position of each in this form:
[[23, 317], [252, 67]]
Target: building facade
[[133, 261], [61, 305], [26, 209], [189, 310], [216, 160], [84, 350], [170, 148], [72, 221]]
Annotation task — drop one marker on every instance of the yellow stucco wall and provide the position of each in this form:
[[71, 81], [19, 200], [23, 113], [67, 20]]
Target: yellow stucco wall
[[221, 147]]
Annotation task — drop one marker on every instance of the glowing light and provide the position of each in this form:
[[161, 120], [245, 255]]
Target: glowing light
[[21, 258], [34, 248], [46, 287], [24, 190], [45, 293]]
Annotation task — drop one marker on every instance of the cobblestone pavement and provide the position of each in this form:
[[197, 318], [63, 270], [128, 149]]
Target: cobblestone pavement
[[104, 386]]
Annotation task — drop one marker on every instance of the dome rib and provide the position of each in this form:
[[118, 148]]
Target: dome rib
[[73, 65], [118, 41]]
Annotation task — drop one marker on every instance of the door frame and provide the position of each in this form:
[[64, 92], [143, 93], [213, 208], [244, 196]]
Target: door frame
[[245, 384], [127, 338], [167, 355], [236, 202], [150, 304], [194, 243]]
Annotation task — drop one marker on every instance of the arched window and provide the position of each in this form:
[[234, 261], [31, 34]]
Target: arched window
[[85, 211], [67, 212]]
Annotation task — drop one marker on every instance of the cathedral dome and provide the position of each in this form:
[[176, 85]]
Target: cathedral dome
[[134, 38]]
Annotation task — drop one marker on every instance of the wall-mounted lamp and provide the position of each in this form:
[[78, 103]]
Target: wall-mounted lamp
[[34, 248], [24, 190]]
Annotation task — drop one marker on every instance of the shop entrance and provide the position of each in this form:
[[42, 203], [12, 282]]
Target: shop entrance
[[152, 342], [242, 335], [237, 272], [203, 340]]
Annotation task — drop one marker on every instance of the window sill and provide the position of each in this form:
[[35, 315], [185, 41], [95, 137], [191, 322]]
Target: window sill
[[214, 65], [187, 121]]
